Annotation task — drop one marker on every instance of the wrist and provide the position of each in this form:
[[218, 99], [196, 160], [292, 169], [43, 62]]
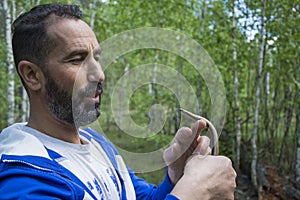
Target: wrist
[[174, 175], [186, 189]]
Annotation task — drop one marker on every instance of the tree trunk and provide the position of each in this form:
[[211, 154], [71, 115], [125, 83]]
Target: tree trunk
[[288, 99], [177, 122], [10, 65], [257, 96], [24, 104], [93, 7], [179, 70], [122, 94], [198, 92], [151, 86], [298, 162], [24, 109], [267, 97], [201, 17], [297, 133], [248, 109], [275, 119], [236, 90], [297, 125]]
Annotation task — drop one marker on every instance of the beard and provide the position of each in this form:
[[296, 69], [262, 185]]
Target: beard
[[72, 109]]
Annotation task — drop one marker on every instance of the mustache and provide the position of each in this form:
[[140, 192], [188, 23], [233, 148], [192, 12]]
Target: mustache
[[92, 90]]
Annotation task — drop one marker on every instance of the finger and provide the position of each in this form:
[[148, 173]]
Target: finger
[[198, 127], [181, 142], [186, 135], [203, 146], [171, 154], [208, 151], [184, 138]]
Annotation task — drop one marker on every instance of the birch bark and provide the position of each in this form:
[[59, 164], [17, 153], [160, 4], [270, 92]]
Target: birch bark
[[10, 64], [236, 89], [93, 7], [257, 97]]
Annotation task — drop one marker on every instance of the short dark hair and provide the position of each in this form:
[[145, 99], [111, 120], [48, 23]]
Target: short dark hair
[[30, 40]]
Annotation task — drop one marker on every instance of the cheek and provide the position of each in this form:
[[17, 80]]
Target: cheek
[[78, 81], [68, 79], [71, 78]]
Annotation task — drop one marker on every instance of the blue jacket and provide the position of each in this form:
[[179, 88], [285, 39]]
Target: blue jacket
[[28, 170]]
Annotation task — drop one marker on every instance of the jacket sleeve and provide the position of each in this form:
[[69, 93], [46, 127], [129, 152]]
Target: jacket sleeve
[[145, 190]]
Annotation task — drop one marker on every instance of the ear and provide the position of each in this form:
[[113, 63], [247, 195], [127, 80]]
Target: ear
[[31, 74]]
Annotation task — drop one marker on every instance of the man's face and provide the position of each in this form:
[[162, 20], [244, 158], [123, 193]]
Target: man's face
[[73, 75]]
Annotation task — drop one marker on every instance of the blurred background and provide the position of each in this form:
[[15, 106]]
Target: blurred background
[[253, 43]]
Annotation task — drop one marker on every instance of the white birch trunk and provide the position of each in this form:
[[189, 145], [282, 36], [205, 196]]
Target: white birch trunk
[[13, 7], [179, 72], [202, 13], [151, 89], [257, 96], [236, 91], [93, 7], [24, 105], [10, 64], [25, 110]]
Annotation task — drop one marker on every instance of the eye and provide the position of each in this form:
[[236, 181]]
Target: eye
[[97, 58], [76, 61]]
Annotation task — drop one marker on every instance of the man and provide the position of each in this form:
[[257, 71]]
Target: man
[[50, 157]]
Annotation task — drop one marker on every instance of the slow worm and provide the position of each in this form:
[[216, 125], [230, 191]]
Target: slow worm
[[212, 130]]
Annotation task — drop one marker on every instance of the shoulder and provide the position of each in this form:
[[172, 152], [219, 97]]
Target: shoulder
[[16, 140]]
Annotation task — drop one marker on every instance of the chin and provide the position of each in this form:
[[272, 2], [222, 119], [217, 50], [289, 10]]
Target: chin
[[86, 118]]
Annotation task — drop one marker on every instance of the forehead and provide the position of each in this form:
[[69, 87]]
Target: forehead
[[71, 33]]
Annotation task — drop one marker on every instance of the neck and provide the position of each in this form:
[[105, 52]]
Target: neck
[[48, 124]]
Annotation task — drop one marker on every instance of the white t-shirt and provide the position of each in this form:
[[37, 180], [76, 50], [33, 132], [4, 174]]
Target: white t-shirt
[[87, 163]]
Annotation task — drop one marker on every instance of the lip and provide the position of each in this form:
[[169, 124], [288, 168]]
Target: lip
[[96, 98], [98, 93], [93, 100]]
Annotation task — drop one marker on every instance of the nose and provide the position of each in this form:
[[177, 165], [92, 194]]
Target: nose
[[95, 72]]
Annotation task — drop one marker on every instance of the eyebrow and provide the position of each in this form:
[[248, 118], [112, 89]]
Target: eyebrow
[[82, 52], [97, 51]]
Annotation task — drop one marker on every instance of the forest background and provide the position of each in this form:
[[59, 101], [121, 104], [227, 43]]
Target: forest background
[[255, 46]]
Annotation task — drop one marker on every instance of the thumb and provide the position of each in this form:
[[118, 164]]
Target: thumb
[[179, 145], [184, 138]]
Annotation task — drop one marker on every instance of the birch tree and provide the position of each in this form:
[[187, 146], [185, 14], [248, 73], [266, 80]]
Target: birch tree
[[236, 88], [10, 64], [93, 7], [257, 97]]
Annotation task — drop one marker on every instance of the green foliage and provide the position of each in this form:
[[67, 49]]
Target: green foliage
[[210, 24]]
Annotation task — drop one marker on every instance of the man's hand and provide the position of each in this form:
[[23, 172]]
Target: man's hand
[[206, 177], [185, 143]]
